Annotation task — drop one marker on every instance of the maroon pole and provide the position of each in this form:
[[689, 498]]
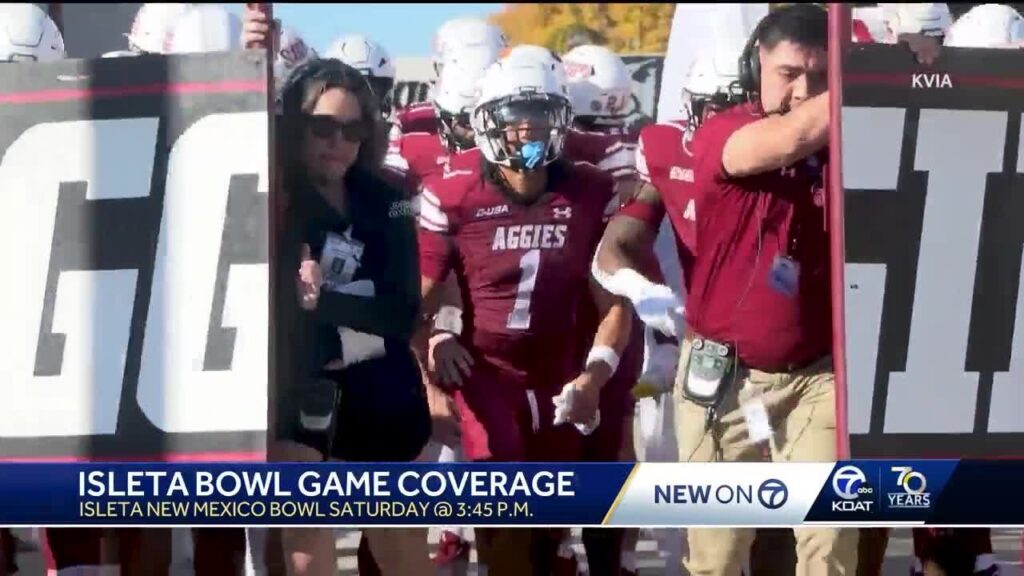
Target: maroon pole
[[839, 32], [275, 225]]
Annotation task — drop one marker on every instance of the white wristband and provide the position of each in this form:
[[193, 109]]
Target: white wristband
[[603, 354], [448, 319]]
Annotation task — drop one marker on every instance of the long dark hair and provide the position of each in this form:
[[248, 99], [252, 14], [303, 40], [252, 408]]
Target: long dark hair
[[298, 97]]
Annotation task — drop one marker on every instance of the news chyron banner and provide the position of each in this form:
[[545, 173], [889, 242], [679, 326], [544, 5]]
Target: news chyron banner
[[133, 236], [892, 492], [933, 206]]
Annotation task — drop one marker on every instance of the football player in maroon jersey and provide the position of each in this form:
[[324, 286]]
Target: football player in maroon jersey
[[612, 152], [665, 168], [662, 169], [424, 154], [457, 36], [526, 215], [601, 90]]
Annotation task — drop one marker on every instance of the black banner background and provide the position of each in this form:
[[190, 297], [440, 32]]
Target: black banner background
[[885, 227]]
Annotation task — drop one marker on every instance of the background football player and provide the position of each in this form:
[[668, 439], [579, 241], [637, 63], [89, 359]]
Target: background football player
[[373, 61], [463, 36]]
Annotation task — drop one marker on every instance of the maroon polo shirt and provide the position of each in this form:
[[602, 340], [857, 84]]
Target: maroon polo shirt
[[752, 231]]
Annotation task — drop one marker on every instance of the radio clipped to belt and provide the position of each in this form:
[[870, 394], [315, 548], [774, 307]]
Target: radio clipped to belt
[[709, 370]]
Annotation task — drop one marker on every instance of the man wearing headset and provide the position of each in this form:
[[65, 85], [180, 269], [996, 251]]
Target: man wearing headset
[[755, 373]]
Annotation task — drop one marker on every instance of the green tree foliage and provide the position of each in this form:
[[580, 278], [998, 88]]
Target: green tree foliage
[[625, 28]]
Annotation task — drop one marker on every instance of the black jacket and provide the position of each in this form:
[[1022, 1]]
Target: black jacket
[[381, 220], [382, 395]]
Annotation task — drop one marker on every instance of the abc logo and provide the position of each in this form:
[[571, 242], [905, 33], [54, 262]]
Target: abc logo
[[849, 483]]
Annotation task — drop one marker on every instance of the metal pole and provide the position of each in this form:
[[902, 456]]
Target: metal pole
[[839, 33]]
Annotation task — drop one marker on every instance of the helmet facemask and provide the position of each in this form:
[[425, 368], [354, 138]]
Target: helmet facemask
[[383, 88], [524, 132], [701, 106], [456, 130]]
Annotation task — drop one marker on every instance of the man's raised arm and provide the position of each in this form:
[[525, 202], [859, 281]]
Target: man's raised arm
[[779, 140]]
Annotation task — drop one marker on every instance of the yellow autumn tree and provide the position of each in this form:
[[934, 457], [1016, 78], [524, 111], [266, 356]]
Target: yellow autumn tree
[[625, 28]]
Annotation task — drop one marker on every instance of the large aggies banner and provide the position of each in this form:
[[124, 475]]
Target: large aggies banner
[[934, 203], [133, 221]]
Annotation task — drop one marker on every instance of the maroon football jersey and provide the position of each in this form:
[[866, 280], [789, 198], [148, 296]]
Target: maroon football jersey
[[418, 117], [612, 152], [524, 268], [467, 160], [664, 159], [419, 155]]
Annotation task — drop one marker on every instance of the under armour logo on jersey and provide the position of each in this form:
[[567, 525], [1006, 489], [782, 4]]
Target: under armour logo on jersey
[[679, 173], [563, 213], [789, 171]]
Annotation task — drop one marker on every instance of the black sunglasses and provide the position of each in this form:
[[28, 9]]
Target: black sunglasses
[[327, 126]]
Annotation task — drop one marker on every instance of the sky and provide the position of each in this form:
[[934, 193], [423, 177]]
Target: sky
[[403, 29]]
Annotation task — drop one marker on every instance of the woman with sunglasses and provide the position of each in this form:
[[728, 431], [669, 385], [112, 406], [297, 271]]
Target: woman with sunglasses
[[347, 302]]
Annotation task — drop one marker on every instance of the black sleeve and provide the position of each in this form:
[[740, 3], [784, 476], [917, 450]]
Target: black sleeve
[[394, 311]]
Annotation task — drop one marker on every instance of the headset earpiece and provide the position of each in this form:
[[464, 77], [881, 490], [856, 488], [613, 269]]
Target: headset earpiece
[[750, 61], [750, 58]]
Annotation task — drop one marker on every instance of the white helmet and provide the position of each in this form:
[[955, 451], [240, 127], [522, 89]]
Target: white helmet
[[27, 34], [869, 24], [206, 28], [457, 92], [292, 52], [713, 80], [461, 33], [514, 91], [929, 19], [538, 53], [599, 83], [153, 26], [541, 55], [372, 61], [987, 26]]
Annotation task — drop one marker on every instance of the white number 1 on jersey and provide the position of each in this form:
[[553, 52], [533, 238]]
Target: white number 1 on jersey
[[529, 264]]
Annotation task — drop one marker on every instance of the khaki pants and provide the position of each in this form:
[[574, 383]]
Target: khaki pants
[[801, 409]]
